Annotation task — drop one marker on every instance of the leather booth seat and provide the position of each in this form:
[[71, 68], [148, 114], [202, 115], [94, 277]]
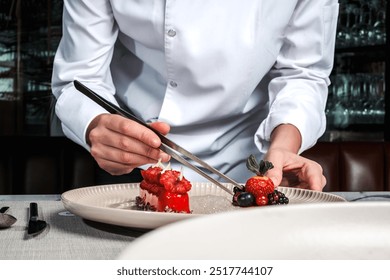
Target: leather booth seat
[[353, 166], [52, 165]]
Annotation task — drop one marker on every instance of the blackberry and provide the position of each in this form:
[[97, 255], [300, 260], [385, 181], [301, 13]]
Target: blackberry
[[271, 199], [235, 198], [284, 200], [277, 197], [238, 189]]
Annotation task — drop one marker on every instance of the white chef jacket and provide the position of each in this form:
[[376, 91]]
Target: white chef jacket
[[222, 73]]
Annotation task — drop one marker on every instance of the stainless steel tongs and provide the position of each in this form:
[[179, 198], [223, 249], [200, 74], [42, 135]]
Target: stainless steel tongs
[[174, 150]]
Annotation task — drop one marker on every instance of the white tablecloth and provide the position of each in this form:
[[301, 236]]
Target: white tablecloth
[[70, 237]]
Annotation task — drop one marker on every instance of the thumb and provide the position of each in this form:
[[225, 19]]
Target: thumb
[[276, 175]]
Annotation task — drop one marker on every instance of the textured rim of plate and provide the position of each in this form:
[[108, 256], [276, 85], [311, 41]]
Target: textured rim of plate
[[91, 203], [74, 201], [310, 196]]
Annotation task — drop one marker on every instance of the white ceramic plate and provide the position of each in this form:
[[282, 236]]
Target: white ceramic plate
[[115, 204], [325, 231]]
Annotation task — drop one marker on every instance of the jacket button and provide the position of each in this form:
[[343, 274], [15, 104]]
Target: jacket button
[[171, 33], [173, 84]]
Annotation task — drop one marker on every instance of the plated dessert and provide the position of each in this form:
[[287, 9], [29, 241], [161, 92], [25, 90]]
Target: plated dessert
[[165, 190]]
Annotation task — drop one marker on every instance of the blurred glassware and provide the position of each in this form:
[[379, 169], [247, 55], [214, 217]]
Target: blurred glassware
[[356, 99], [361, 23]]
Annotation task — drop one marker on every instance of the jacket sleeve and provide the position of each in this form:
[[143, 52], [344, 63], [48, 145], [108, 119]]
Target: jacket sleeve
[[84, 53], [299, 80]]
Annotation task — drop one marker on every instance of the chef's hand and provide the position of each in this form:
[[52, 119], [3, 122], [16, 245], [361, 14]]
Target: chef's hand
[[292, 170], [119, 145]]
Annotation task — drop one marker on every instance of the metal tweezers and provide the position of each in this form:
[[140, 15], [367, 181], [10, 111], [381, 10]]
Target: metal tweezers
[[168, 146]]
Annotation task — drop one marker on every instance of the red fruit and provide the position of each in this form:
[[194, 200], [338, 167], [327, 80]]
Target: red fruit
[[152, 174], [174, 182], [151, 187], [259, 185], [262, 201]]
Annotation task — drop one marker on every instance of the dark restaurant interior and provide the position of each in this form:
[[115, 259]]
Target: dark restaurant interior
[[35, 158], [56, 203]]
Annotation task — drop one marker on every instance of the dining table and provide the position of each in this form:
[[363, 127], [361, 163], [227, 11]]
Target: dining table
[[71, 237]]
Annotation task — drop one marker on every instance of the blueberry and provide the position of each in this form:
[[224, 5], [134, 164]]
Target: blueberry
[[245, 199]]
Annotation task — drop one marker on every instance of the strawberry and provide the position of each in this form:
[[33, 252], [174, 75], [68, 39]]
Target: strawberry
[[259, 185]]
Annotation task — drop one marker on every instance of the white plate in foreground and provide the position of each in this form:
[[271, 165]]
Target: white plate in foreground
[[327, 231], [115, 204]]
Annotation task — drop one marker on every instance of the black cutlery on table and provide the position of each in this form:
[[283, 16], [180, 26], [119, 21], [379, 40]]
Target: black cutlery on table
[[35, 226], [6, 220]]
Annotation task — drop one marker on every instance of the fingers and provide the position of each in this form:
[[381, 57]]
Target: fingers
[[277, 159], [305, 174], [119, 145], [131, 129], [114, 168], [162, 127], [292, 170], [127, 151], [276, 175], [316, 179]]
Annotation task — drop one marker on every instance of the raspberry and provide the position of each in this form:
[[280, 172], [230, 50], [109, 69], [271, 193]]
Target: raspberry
[[261, 200], [150, 187], [152, 174], [173, 181]]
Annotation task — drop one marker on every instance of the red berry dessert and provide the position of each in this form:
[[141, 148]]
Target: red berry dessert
[[163, 190], [259, 190]]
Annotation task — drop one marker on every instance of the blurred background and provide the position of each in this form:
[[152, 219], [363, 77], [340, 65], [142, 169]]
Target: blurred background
[[29, 35], [356, 110], [357, 102]]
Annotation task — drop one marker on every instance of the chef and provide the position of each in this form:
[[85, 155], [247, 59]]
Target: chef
[[223, 78]]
